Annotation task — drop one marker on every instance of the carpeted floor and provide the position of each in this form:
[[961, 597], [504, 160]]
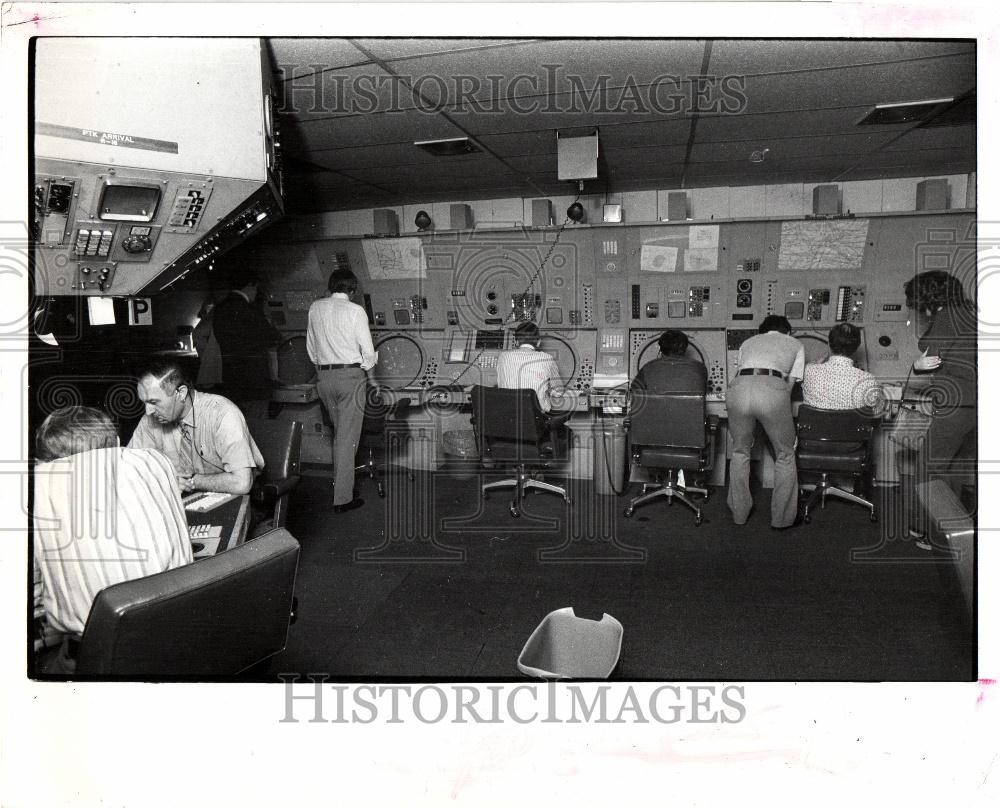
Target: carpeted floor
[[433, 583]]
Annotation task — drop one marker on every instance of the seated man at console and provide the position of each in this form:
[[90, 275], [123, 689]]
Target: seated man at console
[[836, 384], [524, 367], [204, 436], [672, 371], [102, 515]]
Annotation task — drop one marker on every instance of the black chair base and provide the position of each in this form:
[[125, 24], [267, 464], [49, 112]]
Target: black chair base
[[671, 490], [823, 489], [370, 467], [524, 481]]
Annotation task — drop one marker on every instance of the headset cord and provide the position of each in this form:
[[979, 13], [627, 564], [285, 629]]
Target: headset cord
[[531, 284]]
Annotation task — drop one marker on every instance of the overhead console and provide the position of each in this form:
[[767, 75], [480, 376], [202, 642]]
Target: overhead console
[[144, 169]]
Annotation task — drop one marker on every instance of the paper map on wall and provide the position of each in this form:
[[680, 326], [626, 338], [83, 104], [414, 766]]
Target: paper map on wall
[[701, 259], [823, 245], [703, 237], [656, 258], [391, 259]]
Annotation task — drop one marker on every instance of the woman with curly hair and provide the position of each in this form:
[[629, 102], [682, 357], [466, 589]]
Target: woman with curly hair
[[947, 321]]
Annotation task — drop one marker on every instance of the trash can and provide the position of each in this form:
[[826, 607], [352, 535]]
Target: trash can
[[461, 453], [609, 456], [565, 646]]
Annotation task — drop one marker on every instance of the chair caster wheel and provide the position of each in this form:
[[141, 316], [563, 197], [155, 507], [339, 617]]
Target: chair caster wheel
[[628, 512], [485, 495], [697, 520], [873, 518], [381, 493], [807, 518], [514, 511]]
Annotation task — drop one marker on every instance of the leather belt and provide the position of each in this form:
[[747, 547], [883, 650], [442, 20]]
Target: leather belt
[[338, 367], [762, 372]]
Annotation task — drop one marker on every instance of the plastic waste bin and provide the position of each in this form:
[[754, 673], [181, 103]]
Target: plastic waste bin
[[461, 453], [565, 646], [609, 456]]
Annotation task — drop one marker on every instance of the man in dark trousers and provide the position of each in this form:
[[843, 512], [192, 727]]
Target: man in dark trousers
[[245, 336]]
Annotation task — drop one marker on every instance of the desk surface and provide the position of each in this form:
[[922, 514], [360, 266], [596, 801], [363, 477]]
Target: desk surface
[[232, 516]]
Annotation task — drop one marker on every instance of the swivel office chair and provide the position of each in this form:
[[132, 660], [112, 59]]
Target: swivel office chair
[[377, 412], [512, 430], [834, 442], [280, 444], [670, 433]]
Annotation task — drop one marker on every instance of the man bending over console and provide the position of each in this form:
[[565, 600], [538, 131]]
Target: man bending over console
[[102, 515], [836, 384], [204, 436]]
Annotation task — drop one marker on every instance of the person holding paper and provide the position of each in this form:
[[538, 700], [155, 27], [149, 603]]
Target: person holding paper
[[339, 343]]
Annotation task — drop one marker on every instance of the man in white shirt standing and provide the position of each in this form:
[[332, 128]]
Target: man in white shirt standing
[[527, 368], [339, 343]]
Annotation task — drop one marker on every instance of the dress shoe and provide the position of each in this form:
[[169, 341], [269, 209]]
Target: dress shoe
[[796, 523], [357, 502]]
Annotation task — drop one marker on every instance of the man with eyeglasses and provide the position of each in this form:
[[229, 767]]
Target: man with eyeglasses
[[204, 436]]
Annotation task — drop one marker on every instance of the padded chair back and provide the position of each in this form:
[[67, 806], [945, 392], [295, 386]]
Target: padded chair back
[[280, 444], [832, 429], [675, 420], [507, 416], [213, 618]]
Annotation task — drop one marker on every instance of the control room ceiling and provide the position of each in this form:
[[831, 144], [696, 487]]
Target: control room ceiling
[[670, 114]]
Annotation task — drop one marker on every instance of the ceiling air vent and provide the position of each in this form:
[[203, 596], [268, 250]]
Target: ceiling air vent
[[906, 112], [452, 147]]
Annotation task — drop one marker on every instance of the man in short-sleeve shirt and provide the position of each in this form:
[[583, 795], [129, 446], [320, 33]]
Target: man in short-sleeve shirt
[[768, 366], [204, 436], [836, 384]]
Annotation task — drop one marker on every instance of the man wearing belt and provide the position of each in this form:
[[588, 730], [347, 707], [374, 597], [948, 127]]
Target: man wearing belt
[[769, 364], [340, 345]]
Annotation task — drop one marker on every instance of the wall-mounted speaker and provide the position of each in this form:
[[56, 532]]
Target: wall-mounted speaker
[[386, 222]]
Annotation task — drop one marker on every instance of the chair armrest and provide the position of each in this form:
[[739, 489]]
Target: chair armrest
[[396, 406], [276, 488]]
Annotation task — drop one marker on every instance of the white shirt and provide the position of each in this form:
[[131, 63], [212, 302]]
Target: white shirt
[[525, 368], [338, 333], [102, 517]]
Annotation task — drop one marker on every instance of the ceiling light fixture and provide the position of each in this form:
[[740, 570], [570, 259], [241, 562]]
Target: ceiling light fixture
[[449, 147], [903, 112]]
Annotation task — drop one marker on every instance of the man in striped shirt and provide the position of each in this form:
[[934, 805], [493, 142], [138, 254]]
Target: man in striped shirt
[[527, 368], [102, 515]]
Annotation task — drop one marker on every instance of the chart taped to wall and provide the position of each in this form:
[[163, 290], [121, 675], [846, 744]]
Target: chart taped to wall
[[391, 259]]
